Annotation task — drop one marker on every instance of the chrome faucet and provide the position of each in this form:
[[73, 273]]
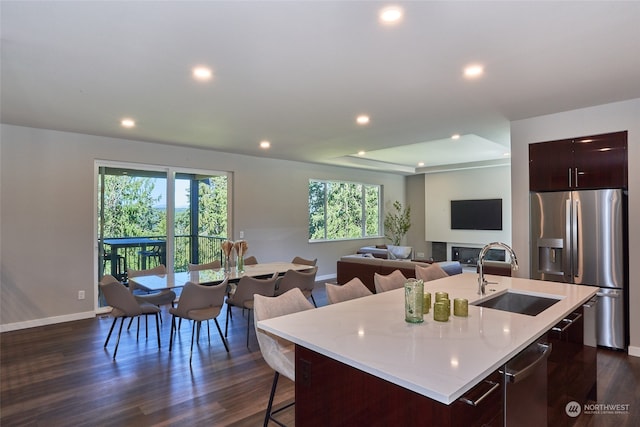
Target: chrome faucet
[[482, 283]]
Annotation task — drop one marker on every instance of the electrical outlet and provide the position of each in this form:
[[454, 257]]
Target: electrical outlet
[[80, 294], [420, 254], [242, 234]]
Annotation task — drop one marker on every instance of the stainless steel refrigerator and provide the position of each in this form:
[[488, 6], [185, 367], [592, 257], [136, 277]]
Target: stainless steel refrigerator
[[580, 237]]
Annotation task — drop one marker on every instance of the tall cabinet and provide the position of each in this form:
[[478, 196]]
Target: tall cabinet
[[589, 162]]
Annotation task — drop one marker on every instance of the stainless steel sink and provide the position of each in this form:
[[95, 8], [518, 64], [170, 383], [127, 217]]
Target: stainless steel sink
[[515, 302]]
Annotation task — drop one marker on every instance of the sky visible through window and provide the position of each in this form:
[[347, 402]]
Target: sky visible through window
[[182, 195]]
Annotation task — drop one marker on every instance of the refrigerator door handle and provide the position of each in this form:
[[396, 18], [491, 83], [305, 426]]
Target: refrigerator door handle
[[566, 260], [575, 235]]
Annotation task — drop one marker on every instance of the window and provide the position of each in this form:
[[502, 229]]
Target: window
[[343, 210]]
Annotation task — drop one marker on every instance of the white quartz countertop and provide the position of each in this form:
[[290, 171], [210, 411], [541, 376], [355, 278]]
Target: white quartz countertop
[[440, 360]]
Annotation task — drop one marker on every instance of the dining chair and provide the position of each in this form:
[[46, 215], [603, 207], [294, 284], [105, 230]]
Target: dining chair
[[304, 280], [299, 260], [157, 298], [244, 293], [250, 260], [277, 352], [163, 297], [124, 305], [388, 282], [199, 303], [431, 272], [353, 289], [206, 266], [154, 253]]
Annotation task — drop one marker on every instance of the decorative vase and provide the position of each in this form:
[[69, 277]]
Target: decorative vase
[[227, 264], [240, 264], [413, 301]]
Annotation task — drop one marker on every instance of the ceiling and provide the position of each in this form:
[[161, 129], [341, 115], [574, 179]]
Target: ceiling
[[297, 73]]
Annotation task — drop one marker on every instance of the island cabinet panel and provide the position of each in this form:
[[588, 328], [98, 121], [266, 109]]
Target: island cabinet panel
[[329, 392], [571, 369], [585, 163]]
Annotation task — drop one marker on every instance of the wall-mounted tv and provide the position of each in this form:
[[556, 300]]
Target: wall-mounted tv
[[483, 214]]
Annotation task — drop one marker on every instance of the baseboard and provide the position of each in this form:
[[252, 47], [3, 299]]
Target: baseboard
[[325, 277], [46, 321], [634, 351]]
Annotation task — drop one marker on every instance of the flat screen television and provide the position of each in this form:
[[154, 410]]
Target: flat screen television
[[483, 214]]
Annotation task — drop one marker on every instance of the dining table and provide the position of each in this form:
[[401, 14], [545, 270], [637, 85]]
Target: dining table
[[172, 280], [115, 244]]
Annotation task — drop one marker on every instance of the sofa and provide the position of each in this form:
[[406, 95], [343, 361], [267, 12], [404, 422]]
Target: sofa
[[363, 266]]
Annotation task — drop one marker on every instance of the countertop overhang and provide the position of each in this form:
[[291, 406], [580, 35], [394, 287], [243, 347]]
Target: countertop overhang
[[439, 360]]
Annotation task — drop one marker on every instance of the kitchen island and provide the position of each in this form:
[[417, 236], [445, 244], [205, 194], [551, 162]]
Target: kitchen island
[[440, 361]]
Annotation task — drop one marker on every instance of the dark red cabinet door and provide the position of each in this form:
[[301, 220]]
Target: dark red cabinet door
[[590, 162], [600, 161], [549, 165]]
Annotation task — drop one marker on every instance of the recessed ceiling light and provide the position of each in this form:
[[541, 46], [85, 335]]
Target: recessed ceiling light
[[390, 15], [202, 73], [506, 154], [265, 144], [127, 123], [473, 71], [363, 119], [361, 153], [420, 164], [455, 136]]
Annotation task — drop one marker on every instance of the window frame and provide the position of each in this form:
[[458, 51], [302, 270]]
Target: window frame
[[363, 209]]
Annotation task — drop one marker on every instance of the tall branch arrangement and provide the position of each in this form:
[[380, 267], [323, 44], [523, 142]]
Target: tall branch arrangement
[[397, 224]]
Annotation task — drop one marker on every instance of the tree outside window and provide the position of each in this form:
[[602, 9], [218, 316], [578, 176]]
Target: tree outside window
[[343, 210]]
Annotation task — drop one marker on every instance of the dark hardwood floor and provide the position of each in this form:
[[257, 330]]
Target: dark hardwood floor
[[60, 375]]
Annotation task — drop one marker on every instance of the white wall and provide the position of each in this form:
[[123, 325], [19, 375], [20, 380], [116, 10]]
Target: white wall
[[47, 211], [484, 183], [588, 121]]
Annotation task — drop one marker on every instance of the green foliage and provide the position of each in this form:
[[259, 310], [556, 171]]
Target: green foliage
[[397, 224], [128, 207], [342, 210]]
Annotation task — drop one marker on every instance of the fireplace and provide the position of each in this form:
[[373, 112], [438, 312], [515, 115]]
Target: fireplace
[[469, 256]]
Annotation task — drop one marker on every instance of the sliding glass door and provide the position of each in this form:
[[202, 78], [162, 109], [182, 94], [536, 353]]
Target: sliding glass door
[[149, 215]]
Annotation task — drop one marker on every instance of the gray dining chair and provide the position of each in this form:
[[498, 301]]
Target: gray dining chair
[[300, 260], [304, 280], [123, 305], [244, 293], [199, 303], [213, 265]]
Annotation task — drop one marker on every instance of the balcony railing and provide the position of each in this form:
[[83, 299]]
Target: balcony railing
[[187, 249]]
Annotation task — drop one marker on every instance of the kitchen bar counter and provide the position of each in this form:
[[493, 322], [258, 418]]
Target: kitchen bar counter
[[439, 360]]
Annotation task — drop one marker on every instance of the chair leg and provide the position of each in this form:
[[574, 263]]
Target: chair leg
[[224, 341], [208, 333], [130, 322], [173, 331], [314, 301], [138, 332], [158, 330], [115, 319], [193, 331], [248, 322], [274, 384], [118, 340], [226, 323]]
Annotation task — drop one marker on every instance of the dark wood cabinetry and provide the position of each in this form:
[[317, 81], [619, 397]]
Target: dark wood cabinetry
[[331, 393], [590, 162], [571, 369]]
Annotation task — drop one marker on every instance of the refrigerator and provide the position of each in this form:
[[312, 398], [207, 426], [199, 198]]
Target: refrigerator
[[579, 237]]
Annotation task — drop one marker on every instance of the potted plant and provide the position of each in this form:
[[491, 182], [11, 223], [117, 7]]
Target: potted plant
[[396, 226]]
